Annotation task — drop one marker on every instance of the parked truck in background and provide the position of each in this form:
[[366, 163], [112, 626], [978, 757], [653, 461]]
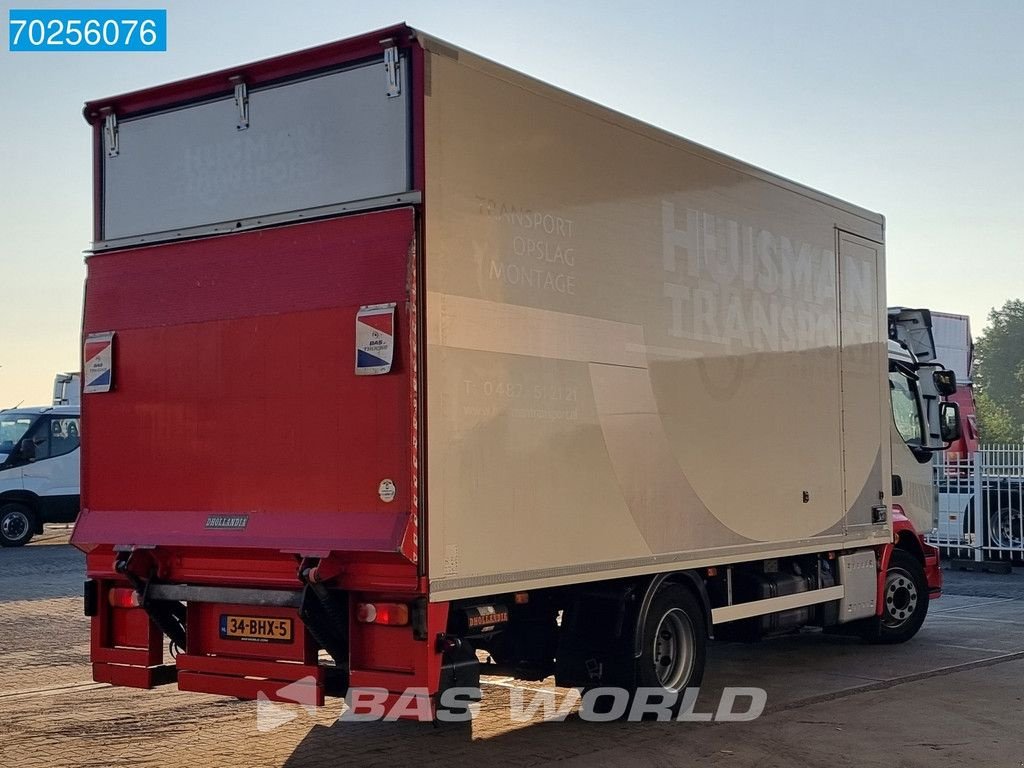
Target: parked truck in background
[[966, 475], [955, 348], [67, 389], [547, 346]]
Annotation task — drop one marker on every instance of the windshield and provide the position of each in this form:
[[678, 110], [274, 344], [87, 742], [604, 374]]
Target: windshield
[[905, 411], [13, 426]]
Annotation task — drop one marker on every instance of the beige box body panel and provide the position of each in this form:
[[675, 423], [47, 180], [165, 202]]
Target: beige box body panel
[[634, 347]]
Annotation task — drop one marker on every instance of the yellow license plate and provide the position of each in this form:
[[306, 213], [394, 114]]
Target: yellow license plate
[[257, 629]]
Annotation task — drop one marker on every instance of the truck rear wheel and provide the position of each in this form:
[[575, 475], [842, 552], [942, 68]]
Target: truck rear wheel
[[673, 642], [904, 601], [17, 524]]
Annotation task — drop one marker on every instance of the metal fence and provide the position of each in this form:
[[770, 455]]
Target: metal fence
[[980, 502]]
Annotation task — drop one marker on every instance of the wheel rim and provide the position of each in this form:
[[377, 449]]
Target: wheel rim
[[673, 650], [1006, 528], [14, 525], [901, 598]]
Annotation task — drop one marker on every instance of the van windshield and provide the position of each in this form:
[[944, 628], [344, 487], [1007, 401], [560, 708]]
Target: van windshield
[[13, 426]]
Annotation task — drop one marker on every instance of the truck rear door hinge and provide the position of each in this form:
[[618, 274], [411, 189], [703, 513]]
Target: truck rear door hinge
[[241, 101], [110, 131], [393, 70]]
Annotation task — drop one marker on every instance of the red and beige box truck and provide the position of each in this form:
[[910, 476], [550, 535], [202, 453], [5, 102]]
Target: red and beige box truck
[[394, 355]]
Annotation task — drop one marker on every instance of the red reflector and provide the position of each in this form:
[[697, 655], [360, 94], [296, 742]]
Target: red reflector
[[123, 597], [390, 614]]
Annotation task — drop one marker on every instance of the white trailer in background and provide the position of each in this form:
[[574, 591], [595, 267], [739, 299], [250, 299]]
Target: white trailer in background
[[67, 389], [953, 343]]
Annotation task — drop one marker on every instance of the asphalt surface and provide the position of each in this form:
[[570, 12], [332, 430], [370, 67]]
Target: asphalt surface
[[952, 696]]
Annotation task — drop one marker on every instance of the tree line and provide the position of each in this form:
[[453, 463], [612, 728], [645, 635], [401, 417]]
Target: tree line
[[999, 375]]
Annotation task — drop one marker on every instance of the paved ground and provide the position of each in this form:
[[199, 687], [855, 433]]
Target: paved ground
[[954, 696]]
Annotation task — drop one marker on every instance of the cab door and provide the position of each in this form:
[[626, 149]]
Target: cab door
[[53, 474], [10, 474], [12, 425]]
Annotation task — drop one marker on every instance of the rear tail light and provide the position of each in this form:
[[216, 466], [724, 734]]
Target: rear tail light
[[389, 614], [123, 597]]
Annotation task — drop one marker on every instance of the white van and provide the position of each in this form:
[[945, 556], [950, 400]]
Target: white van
[[39, 457]]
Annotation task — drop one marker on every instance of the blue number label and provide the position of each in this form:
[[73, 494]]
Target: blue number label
[[48, 29]]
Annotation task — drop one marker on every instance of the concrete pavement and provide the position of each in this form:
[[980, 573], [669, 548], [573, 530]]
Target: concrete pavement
[[953, 696]]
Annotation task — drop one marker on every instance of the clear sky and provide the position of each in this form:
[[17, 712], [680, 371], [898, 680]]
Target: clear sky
[[913, 109]]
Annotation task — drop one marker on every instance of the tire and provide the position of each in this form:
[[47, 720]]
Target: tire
[[1003, 528], [674, 649], [17, 524], [1002, 523], [905, 598], [673, 642]]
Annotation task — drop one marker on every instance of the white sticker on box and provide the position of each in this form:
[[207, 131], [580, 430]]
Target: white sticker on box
[[98, 373], [386, 490], [375, 339]]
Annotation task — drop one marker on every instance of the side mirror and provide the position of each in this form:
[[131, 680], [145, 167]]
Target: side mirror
[[949, 422], [945, 382]]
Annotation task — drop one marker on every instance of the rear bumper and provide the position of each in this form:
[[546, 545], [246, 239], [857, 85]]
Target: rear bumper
[[133, 615]]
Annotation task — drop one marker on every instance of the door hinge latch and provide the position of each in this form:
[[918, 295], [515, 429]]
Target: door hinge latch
[[241, 101], [393, 70], [110, 131]]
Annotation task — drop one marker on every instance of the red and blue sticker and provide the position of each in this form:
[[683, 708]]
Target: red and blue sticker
[[375, 339], [98, 366]]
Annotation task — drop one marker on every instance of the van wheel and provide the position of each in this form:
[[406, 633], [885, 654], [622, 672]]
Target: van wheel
[[905, 601], [17, 524]]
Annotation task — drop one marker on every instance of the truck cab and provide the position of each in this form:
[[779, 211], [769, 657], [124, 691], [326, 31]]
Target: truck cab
[[39, 475], [923, 421]]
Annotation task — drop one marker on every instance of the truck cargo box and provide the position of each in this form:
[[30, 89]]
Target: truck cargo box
[[638, 351]]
